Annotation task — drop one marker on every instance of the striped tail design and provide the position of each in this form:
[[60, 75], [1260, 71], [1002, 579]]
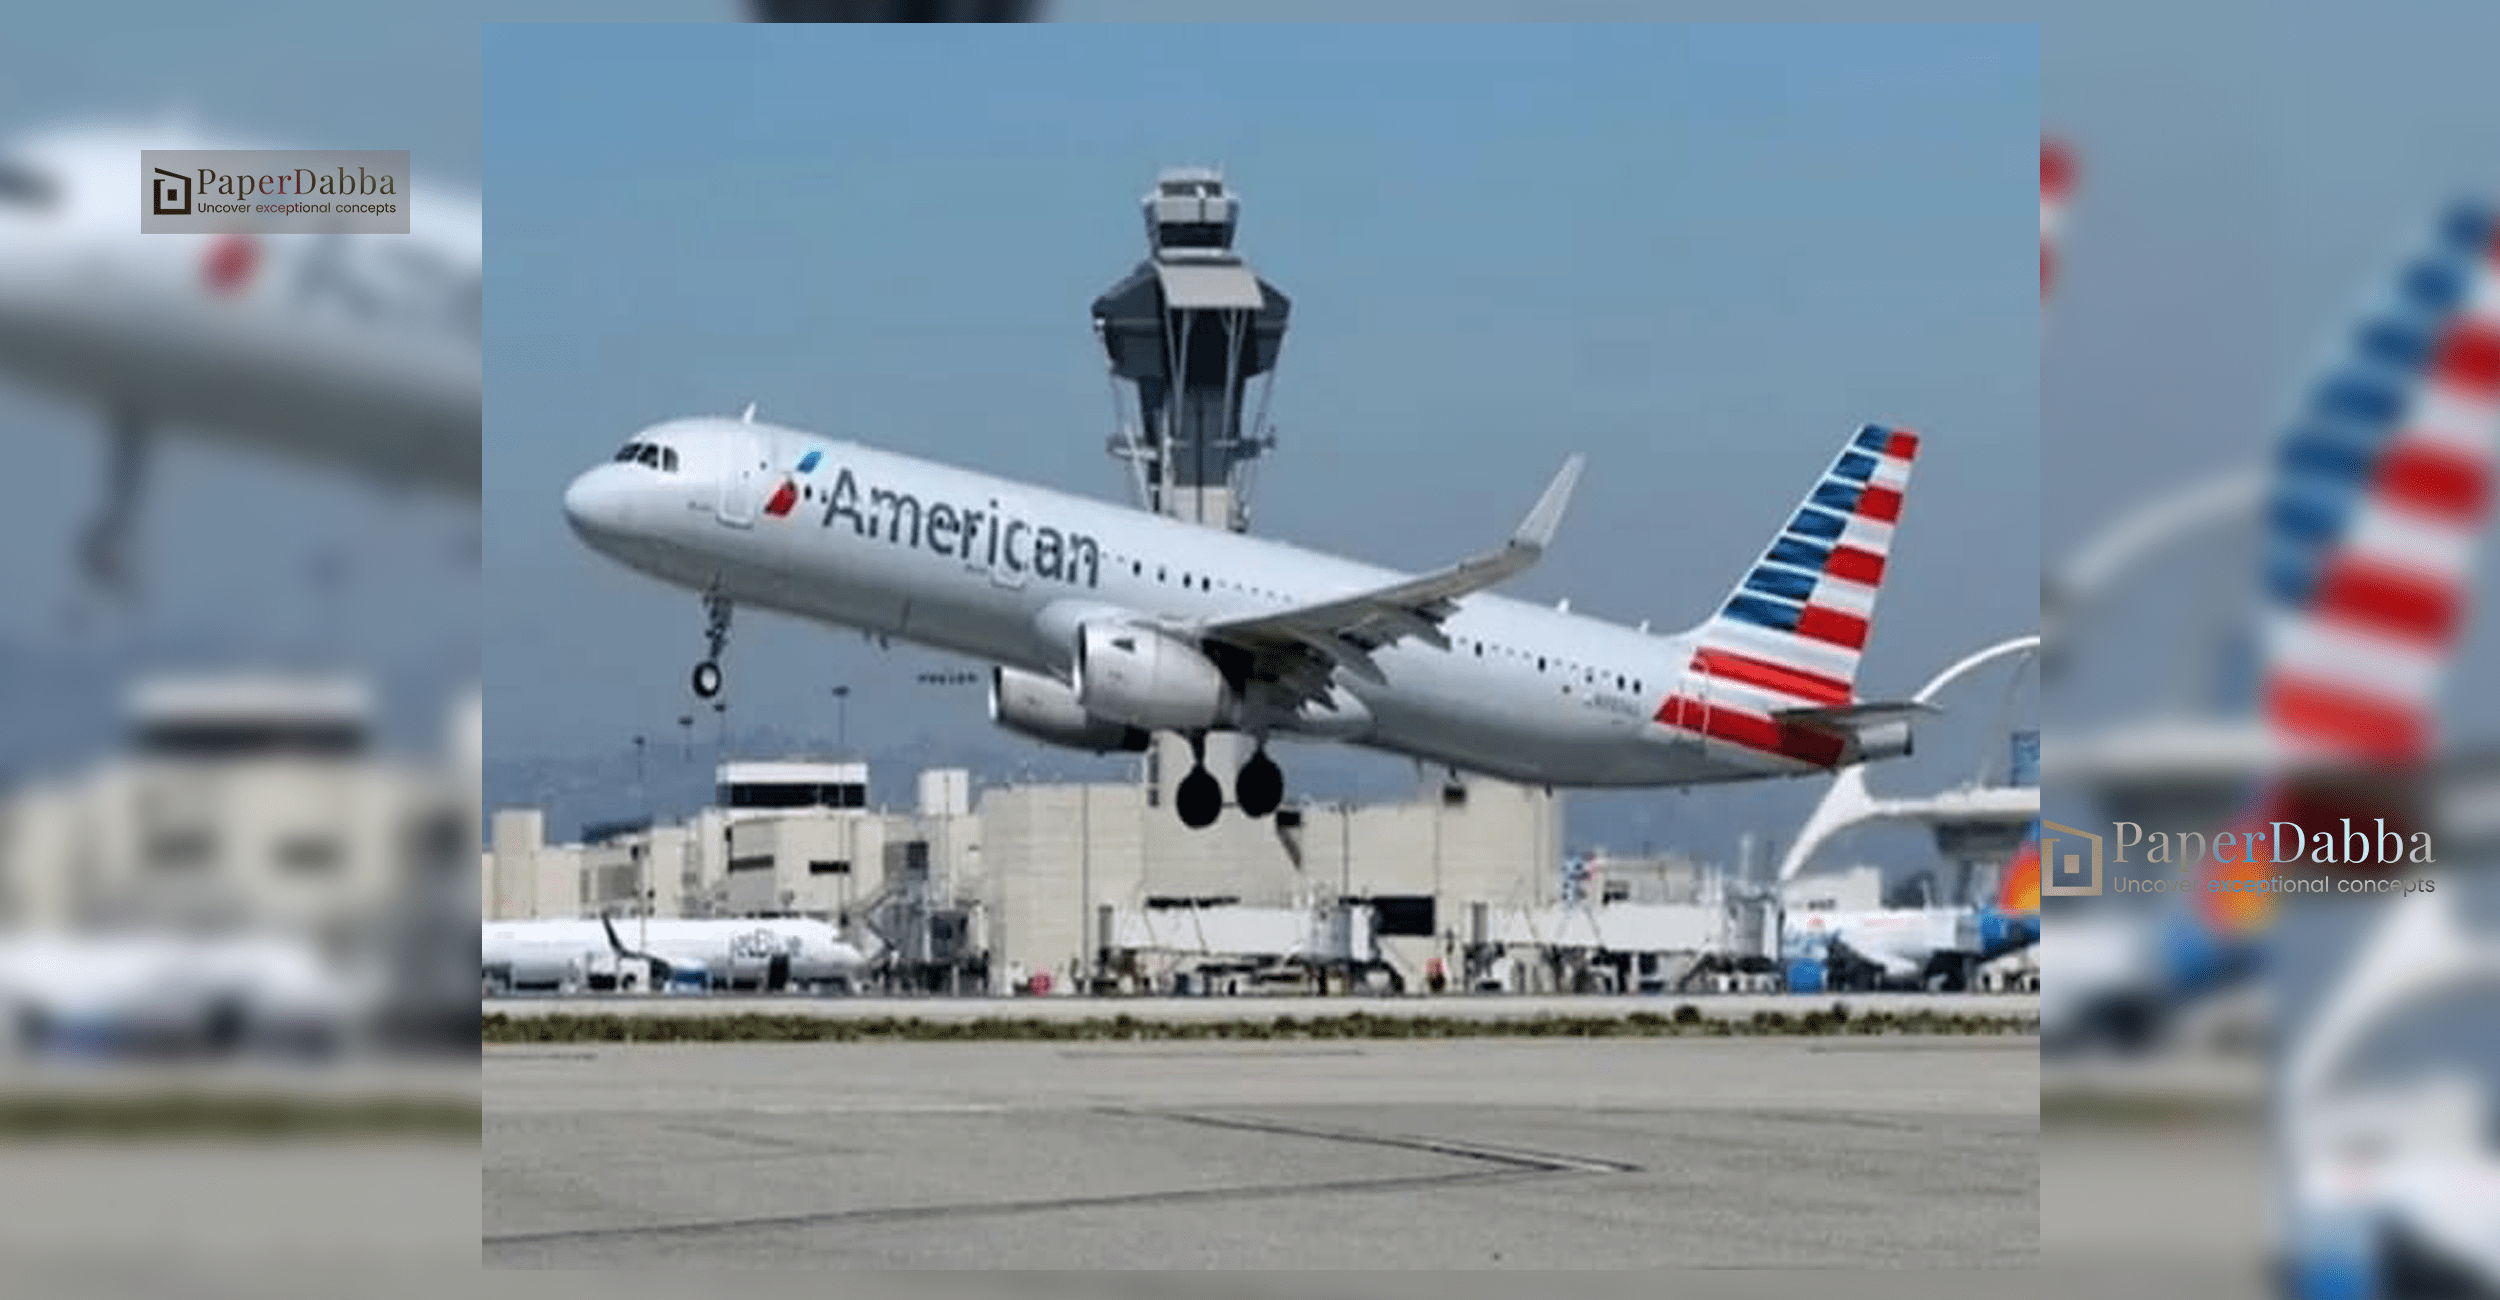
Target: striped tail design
[[2381, 499], [2057, 175], [1790, 635], [2018, 889], [2014, 920]]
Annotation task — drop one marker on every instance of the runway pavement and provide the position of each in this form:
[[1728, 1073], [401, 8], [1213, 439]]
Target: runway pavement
[[1473, 1153]]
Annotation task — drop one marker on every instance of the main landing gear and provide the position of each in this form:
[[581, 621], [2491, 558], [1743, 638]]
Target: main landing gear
[[1258, 789], [1260, 786], [707, 677]]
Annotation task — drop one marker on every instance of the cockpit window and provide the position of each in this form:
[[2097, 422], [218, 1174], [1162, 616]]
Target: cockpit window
[[650, 456], [627, 452], [668, 459], [23, 187]]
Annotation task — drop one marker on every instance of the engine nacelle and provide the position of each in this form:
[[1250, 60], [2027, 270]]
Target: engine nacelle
[[1041, 708], [1146, 679], [1881, 740]]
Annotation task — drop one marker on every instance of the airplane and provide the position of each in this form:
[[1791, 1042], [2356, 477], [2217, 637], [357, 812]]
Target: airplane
[[1914, 946], [2386, 1178], [157, 993], [1107, 624], [354, 353], [2374, 516], [770, 953]]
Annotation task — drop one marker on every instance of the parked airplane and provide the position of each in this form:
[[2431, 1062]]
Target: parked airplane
[[2387, 1177], [1110, 623], [358, 353], [770, 953], [1919, 946], [156, 993]]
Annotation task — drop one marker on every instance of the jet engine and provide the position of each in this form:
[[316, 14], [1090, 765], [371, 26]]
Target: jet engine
[[1146, 679], [1041, 708]]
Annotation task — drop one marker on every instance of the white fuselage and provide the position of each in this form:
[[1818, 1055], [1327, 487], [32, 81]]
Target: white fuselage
[[353, 352], [562, 951], [1005, 572]]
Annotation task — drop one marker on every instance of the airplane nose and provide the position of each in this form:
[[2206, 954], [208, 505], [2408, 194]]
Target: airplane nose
[[595, 504]]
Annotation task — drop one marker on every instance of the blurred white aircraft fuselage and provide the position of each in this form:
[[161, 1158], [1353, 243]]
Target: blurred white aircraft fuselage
[[358, 353]]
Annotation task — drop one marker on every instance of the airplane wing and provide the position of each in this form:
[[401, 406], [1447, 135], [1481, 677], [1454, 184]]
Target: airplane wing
[[1299, 647]]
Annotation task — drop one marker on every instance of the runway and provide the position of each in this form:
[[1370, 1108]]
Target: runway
[[1477, 1153], [957, 1010]]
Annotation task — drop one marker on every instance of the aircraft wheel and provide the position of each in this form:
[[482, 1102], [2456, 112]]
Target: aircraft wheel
[[1200, 799], [1260, 786], [707, 679]]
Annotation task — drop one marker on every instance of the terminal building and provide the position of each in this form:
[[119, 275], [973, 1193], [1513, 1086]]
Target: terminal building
[[986, 889], [1053, 888], [258, 808]]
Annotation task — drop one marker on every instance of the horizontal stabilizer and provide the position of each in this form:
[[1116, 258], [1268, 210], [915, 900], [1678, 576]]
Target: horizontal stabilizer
[[1849, 717]]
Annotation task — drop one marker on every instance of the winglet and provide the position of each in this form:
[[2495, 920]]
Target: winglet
[[1536, 532]]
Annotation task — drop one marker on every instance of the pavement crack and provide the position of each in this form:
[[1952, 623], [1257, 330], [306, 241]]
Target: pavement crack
[[1494, 1164]]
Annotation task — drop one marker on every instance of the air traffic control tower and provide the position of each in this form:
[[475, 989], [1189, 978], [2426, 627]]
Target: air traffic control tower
[[1188, 331]]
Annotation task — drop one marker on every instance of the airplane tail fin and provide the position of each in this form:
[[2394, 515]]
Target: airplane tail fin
[[2012, 919], [2380, 499], [2057, 178], [1789, 637], [2018, 889], [2379, 504]]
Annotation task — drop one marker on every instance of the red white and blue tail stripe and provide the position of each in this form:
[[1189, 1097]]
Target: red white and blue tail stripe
[[2380, 501], [2057, 175], [1790, 635]]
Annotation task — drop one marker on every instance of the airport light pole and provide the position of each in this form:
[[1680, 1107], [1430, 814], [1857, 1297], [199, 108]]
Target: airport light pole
[[842, 719], [1345, 885]]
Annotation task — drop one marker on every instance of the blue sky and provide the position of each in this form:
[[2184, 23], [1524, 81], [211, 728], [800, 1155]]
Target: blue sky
[[1702, 256]]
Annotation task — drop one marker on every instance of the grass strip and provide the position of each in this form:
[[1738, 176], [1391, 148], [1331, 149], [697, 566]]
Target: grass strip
[[149, 1115], [1686, 1021]]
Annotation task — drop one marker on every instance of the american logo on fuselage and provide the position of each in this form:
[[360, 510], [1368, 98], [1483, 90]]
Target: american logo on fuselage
[[991, 536]]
